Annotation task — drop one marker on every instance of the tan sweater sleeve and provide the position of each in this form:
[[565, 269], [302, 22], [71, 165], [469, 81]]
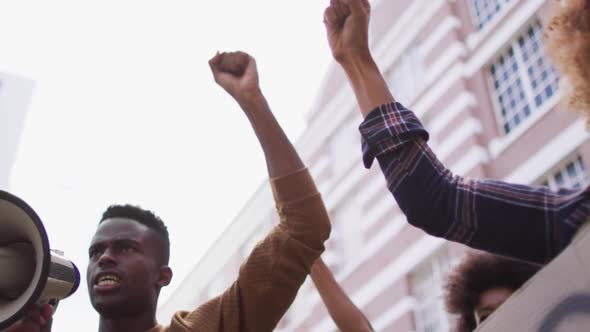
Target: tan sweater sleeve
[[269, 279]]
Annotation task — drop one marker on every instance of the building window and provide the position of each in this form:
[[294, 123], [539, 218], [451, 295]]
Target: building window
[[406, 77], [523, 79], [485, 10], [426, 284], [570, 174]]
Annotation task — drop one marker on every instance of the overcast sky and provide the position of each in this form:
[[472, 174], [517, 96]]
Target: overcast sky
[[125, 111]]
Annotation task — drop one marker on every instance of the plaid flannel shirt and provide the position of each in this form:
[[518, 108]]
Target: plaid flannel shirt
[[530, 223]]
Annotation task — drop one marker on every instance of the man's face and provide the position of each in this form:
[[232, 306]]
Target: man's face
[[124, 270]]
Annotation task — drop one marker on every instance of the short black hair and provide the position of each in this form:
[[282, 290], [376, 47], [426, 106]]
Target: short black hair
[[478, 272], [144, 217]]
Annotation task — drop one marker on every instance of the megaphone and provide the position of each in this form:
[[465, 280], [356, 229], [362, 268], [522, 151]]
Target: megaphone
[[30, 273]]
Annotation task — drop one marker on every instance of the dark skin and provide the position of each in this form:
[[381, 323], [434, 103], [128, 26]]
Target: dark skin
[[125, 274], [490, 300], [346, 315], [132, 254], [236, 73]]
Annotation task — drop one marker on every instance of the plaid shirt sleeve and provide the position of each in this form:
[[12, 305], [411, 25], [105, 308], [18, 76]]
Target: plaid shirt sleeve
[[519, 221]]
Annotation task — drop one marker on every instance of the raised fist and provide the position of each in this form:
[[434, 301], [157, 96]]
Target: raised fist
[[236, 72], [347, 24]]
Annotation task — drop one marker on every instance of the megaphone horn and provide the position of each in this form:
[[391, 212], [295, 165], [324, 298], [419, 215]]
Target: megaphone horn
[[30, 273]]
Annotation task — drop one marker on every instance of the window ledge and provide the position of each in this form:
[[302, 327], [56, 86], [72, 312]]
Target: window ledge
[[477, 37], [500, 144]]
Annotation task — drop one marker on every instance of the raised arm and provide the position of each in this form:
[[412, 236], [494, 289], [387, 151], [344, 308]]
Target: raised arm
[[527, 223], [347, 316], [347, 24], [238, 75], [269, 279]]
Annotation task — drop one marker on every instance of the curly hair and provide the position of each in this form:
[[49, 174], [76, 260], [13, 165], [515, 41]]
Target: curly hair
[[567, 41], [478, 272]]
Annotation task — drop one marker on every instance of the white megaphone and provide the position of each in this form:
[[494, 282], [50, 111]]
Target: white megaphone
[[30, 273]]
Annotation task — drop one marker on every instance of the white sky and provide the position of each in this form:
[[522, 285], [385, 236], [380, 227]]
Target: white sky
[[125, 111]]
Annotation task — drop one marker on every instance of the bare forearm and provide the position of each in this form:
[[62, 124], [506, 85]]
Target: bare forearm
[[281, 157], [367, 82], [346, 315]]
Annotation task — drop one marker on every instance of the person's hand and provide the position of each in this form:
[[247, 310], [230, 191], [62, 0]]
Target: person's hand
[[347, 24], [236, 72], [37, 319]]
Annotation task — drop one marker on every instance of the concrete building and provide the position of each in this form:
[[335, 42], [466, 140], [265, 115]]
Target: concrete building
[[476, 74], [15, 96]]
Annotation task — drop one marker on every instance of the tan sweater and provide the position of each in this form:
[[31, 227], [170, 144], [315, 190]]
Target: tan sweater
[[269, 279]]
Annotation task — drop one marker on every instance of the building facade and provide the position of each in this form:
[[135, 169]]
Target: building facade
[[476, 74], [15, 96]]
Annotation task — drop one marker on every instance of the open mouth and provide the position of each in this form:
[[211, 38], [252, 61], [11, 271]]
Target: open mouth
[[107, 281]]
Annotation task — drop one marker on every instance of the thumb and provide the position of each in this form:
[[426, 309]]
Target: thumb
[[330, 16], [214, 62], [251, 68]]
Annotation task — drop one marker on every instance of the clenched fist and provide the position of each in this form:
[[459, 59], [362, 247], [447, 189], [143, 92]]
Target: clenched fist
[[347, 24], [236, 72]]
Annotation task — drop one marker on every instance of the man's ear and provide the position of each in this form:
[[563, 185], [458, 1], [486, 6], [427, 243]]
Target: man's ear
[[165, 276]]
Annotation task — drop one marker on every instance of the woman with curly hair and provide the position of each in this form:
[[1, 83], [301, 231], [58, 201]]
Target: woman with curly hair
[[480, 284]]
